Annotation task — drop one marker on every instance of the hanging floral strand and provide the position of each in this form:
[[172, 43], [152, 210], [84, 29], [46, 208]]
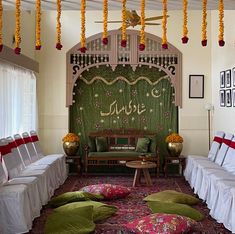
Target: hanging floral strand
[[38, 25], [221, 23], [58, 26], [17, 28], [204, 23], [142, 21], [123, 41], [164, 23], [1, 9], [105, 26], [185, 22], [83, 26]]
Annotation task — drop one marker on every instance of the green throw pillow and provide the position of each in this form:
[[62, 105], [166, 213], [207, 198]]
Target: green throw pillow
[[92, 144], [76, 221], [175, 208], [101, 211], [152, 144], [142, 145], [101, 144], [73, 197], [172, 196]]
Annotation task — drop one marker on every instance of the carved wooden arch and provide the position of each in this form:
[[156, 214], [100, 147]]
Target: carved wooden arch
[[170, 60]]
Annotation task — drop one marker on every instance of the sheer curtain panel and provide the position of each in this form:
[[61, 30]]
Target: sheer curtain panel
[[18, 109]]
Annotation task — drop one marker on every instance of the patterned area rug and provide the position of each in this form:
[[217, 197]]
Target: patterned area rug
[[133, 206]]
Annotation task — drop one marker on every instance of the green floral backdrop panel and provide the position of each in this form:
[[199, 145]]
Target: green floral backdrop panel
[[140, 99]]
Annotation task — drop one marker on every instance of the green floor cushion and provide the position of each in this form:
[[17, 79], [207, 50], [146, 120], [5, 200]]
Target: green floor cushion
[[175, 208], [172, 196], [73, 197], [101, 211], [76, 221]]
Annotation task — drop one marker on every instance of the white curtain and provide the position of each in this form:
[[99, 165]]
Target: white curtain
[[18, 105]]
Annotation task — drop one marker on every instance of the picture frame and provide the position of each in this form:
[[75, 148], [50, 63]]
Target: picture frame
[[228, 78], [233, 97], [222, 98], [222, 79], [234, 77], [228, 97], [196, 86]]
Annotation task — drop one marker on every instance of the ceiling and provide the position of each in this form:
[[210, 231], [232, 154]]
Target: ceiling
[[116, 4]]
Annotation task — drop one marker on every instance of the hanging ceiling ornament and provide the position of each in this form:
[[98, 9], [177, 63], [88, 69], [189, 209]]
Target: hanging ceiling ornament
[[185, 22], [164, 24], [83, 26], [17, 28], [204, 23], [38, 25], [142, 22], [105, 25], [123, 41], [221, 23], [1, 10], [58, 26]]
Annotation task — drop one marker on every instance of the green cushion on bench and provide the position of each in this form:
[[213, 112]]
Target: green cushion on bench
[[116, 154]]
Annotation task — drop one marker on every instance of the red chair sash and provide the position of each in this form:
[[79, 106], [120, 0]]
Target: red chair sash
[[5, 149], [232, 144], [218, 139], [12, 144], [19, 141], [34, 138], [227, 142], [27, 140]]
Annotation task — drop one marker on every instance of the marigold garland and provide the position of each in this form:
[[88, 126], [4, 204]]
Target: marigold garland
[[142, 21], [17, 28], [83, 26], [164, 23], [1, 9], [38, 25], [185, 22], [58, 26], [204, 23], [105, 25], [123, 41], [221, 23]]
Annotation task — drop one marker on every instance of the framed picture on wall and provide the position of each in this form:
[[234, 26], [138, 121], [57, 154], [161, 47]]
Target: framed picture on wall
[[228, 78], [222, 97], [228, 98], [196, 86], [234, 77], [233, 96], [222, 79]]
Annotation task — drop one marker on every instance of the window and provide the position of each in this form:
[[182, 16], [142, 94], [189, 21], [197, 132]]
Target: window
[[18, 109]]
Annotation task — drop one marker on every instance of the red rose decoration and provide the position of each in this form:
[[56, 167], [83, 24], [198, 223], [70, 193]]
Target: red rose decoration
[[1, 46], [141, 47], [204, 43], [83, 49], [17, 50], [221, 42], [123, 43], [105, 40], [164, 46], [184, 40], [38, 47], [58, 46]]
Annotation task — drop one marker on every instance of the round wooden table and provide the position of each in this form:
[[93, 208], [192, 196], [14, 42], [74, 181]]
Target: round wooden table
[[141, 166]]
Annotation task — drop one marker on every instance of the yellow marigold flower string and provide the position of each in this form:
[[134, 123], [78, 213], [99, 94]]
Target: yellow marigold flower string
[[164, 24], [221, 23], [105, 26], [58, 26], [83, 26], [1, 10], [142, 21], [185, 22], [204, 23], [17, 28], [123, 41], [38, 25]]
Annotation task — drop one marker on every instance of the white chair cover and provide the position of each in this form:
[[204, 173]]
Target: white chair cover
[[229, 161]]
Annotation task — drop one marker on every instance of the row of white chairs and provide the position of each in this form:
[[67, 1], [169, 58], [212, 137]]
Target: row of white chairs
[[213, 178], [28, 179]]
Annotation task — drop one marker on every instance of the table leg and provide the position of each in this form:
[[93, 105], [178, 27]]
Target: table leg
[[147, 177], [136, 177]]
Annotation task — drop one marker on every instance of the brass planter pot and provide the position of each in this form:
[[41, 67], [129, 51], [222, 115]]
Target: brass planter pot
[[71, 148], [174, 149]]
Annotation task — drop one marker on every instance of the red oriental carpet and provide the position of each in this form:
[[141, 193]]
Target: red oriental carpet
[[132, 206]]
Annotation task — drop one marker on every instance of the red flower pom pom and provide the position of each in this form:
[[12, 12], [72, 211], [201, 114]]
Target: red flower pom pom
[[58, 46], [123, 43], [184, 40], [164, 46], [105, 40], [38, 47], [141, 47], [83, 49], [17, 50], [204, 43], [1, 46], [221, 42]]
